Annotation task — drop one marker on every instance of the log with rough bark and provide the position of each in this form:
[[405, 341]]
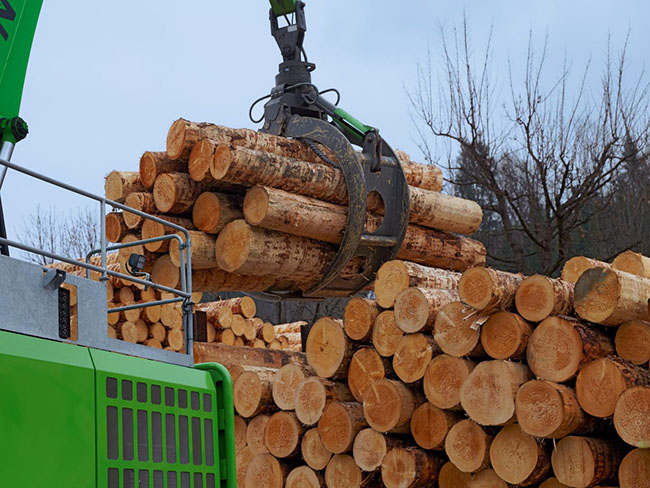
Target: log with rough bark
[[634, 471], [633, 341], [416, 309], [386, 336], [443, 379], [212, 211], [313, 451], [359, 317], [153, 164], [531, 463], [253, 391], [467, 446], [488, 393], [120, 183], [582, 461], [237, 356], [389, 405], [304, 477], [244, 306], [632, 416], [285, 382], [457, 330], [505, 335], [410, 467], [429, 426], [365, 368], [577, 265], [632, 262], [312, 396], [290, 328], [487, 289], [396, 276], [282, 434], [413, 355], [328, 349], [340, 424], [142, 201], [281, 211], [115, 227], [601, 382], [551, 410], [539, 296], [611, 297], [265, 471], [560, 345], [151, 229], [452, 477]]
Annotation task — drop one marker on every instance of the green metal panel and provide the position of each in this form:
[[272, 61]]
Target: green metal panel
[[283, 7], [47, 413], [18, 19]]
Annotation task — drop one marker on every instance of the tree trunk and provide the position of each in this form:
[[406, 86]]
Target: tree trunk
[[304, 477], [560, 345], [488, 393], [120, 183], [632, 416], [457, 330], [359, 317], [115, 227], [151, 229], [505, 336], [212, 211], [443, 379], [153, 164], [633, 341], [634, 471], [487, 289], [265, 471], [610, 297], [253, 391], [531, 463], [313, 394], [255, 434], [396, 276], [410, 467], [632, 262], [176, 193], [601, 382], [282, 435], [230, 357], [551, 410], [340, 424], [285, 382], [429, 426], [329, 351], [413, 356], [386, 336], [389, 405], [467, 446], [539, 296], [365, 368], [313, 450], [416, 309], [575, 266], [452, 477], [142, 201], [598, 461]]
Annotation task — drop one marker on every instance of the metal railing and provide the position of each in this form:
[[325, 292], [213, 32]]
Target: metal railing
[[183, 295]]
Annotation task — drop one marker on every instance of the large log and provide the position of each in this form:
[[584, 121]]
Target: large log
[[457, 330], [386, 336], [176, 193], [412, 357], [212, 211], [632, 262], [632, 416], [443, 379], [244, 306], [633, 341], [634, 471], [531, 462], [115, 227], [231, 356], [452, 477], [467, 446], [255, 434], [203, 255], [359, 317], [342, 472], [285, 382], [487, 289], [328, 349], [119, 184], [151, 229], [577, 265], [165, 272], [253, 391], [560, 345], [409, 467], [365, 368], [370, 447], [581, 461], [389, 405], [488, 393], [551, 410], [416, 309], [539, 296], [281, 211], [142, 201], [429, 426], [601, 382], [153, 164], [313, 451], [505, 335], [282, 435], [610, 297], [340, 424], [304, 477], [215, 280], [265, 471], [396, 276]]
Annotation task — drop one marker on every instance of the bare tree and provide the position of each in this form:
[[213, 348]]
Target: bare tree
[[543, 158], [72, 235]]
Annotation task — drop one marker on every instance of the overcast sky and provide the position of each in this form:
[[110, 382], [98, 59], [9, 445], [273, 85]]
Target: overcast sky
[[106, 79]]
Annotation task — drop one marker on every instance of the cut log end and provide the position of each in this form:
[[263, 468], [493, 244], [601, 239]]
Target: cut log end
[[392, 279], [233, 245], [366, 367], [327, 347], [634, 471], [200, 159], [256, 205], [310, 400], [409, 467], [176, 139], [633, 341], [255, 434], [582, 462], [577, 265], [412, 357], [282, 434], [342, 472], [264, 471], [452, 477], [429, 426], [369, 449], [517, 457], [632, 416], [443, 379], [386, 404], [313, 451], [538, 296], [386, 335], [467, 446], [358, 318], [555, 350], [632, 262], [339, 425], [285, 382], [411, 310], [302, 477], [505, 335], [457, 329], [540, 408], [476, 287]]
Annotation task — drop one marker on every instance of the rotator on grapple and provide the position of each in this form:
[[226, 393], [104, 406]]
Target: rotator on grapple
[[297, 109]]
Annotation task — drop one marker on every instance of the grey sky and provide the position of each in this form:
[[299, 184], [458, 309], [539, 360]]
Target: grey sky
[[106, 79]]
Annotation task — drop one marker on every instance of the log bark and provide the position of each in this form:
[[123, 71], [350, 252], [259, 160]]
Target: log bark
[[551, 410], [559, 346], [538, 297], [313, 394], [151, 229], [342, 472], [366, 367], [429, 426], [413, 356], [632, 416], [340, 424], [611, 297], [359, 317], [203, 255], [115, 227], [487, 289], [505, 335], [582, 461], [265, 471], [386, 336], [216, 280], [175, 193], [457, 330], [285, 382], [531, 463], [304, 477], [153, 164], [577, 265], [255, 434], [410, 467], [313, 451], [633, 341], [234, 356], [253, 392], [452, 477], [443, 379], [634, 471], [601, 382], [212, 211], [396, 276], [370, 447], [416, 309], [282, 435], [328, 349], [290, 328], [488, 394], [389, 405], [120, 183], [142, 201], [632, 262], [467, 446]]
